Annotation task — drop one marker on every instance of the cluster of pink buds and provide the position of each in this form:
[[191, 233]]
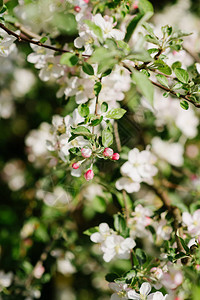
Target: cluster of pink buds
[[89, 175], [86, 153], [108, 152]]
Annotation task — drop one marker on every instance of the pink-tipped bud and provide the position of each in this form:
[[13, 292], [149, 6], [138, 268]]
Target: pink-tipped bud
[[75, 165], [135, 5], [86, 152], [77, 8], [197, 267], [108, 152], [89, 175], [115, 156], [86, 1]]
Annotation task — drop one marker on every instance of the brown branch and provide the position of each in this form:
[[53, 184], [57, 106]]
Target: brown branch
[[185, 97], [27, 32], [21, 38], [117, 137]]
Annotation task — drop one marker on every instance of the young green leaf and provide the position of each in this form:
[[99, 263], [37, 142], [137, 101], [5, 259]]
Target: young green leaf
[[162, 67], [182, 75], [145, 6], [116, 113], [97, 88], [83, 110], [87, 68], [145, 87], [162, 79], [104, 107], [1, 5], [107, 138], [184, 104], [96, 29], [69, 59]]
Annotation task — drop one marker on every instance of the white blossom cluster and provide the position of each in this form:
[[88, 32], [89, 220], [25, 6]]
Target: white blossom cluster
[[139, 168], [112, 245]]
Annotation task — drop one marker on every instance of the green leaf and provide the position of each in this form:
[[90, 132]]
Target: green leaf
[[43, 39], [92, 230], [65, 23], [152, 39], [87, 68], [182, 75], [135, 22], [176, 64], [107, 138], [81, 130], [115, 113], [104, 107], [132, 26], [144, 85], [96, 121], [162, 79], [177, 86], [97, 88], [96, 29], [120, 225], [105, 58], [162, 67], [141, 256], [99, 204], [184, 104], [1, 5], [145, 6], [166, 94], [141, 56], [184, 245], [83, 110], [69, 59]]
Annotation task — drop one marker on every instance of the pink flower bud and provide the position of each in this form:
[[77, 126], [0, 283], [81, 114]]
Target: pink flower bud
[[75, 165], [86, 152], [86, 1], [115, 156], [77, 8], [89, 175], [108, 152], [135, 5], [197, 267], [38, 270], [198, 239]]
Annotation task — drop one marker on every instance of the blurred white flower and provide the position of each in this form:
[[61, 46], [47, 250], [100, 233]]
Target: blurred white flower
[[171, 152], [6, 43], [5, 279], [192, 222], [24, 79]]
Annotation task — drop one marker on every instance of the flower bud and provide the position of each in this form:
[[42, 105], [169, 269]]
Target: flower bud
[[77, 8], [135, 5], [89, 175], [115, 156], [108, 152], [86, 152], [86, 1], [75, 165]]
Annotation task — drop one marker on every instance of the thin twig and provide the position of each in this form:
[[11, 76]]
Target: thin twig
[[21, 38], [117, 137]]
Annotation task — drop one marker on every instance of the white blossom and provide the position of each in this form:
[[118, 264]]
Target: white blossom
[[5, 279], [170, 152], [6, 43], [192, 222]]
